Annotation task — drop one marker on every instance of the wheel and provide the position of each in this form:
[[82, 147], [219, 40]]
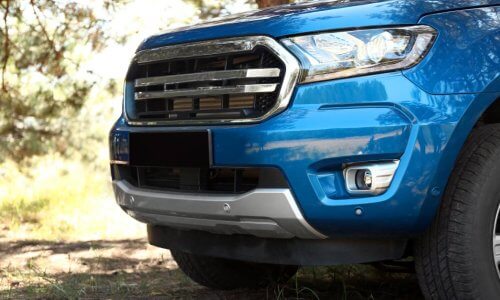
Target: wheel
[[226, 274], [458, 257]]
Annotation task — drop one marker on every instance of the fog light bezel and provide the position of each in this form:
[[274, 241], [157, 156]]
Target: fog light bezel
[[382, 175]]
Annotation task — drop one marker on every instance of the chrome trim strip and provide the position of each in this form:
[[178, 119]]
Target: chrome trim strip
[[208, 76], [208, 91], [118, 162], [198, 49], [225, 46], [269, 213], [300, 217]]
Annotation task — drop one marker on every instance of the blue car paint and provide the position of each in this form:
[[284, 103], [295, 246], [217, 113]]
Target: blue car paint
[[470, 39], [312, 17], [421, 116]]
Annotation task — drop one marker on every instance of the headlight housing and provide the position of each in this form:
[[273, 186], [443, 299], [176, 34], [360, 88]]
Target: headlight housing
[[334, 55]]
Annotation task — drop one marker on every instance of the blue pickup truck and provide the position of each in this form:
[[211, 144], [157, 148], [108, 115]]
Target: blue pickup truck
[[320, 133]]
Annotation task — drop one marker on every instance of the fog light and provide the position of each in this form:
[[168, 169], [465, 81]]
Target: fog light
[[364, 179], [370, 179]]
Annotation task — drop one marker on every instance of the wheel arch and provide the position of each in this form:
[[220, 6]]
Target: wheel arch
[[491, 115], [483, 110]]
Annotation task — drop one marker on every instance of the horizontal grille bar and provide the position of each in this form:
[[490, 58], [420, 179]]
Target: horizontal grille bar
[[208, 76], [199, 49], [235, 112], [208, 91]]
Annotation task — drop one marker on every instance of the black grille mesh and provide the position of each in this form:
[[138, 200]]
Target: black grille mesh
[[212, 180]]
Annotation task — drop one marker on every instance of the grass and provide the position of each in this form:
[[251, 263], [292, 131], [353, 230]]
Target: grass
[[37, 282], [23, 211], [52, 198]]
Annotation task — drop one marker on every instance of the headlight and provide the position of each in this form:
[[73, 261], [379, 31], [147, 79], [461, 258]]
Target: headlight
[[344, 54]]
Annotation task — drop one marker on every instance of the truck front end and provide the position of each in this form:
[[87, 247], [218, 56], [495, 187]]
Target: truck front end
[[277, 140]]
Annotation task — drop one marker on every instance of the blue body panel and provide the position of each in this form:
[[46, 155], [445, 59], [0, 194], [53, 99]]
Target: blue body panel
[[470, 40], [312, 17], [421, 116]]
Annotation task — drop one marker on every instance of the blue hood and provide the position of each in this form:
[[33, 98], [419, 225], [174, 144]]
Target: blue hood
[[311, 16]]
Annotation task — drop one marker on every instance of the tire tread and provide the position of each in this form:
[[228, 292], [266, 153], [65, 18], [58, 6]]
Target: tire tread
[[443, 268], [226, 274]]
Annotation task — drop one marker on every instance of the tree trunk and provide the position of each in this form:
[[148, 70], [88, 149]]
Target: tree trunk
[[267, 3]]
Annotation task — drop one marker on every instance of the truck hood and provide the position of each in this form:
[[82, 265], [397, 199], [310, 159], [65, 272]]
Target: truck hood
[[309, 17]]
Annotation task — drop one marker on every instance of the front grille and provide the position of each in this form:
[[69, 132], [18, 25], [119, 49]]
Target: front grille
[[209, 81], [216, 180]]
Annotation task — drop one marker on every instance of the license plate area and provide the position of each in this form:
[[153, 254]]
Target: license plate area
[[171, 149]]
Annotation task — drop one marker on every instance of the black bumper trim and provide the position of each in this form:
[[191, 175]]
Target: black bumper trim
[[277, 251]]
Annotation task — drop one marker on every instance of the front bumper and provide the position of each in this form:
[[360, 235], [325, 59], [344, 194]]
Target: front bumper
[[265, 213], [333, 124]]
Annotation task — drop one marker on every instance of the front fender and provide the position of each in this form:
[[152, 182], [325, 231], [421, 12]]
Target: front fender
[[465, 56]]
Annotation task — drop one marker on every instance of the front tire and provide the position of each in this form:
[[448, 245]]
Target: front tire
[[455, 258], [226, 274]]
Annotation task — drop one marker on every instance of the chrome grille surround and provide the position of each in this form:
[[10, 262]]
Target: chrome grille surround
[[211, 48]]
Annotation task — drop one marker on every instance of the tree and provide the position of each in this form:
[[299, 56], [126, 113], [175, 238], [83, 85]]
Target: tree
[[43, 43], [268, 3]]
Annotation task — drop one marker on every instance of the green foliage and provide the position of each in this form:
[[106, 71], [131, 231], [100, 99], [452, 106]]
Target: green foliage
[[43, 44]]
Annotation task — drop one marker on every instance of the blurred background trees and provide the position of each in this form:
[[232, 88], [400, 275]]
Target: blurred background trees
[[44, 44]]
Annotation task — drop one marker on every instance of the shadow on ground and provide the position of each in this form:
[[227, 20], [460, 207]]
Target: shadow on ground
[[13, 247], [131, 268]]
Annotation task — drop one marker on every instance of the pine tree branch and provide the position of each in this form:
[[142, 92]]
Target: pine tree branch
[[44, 30]]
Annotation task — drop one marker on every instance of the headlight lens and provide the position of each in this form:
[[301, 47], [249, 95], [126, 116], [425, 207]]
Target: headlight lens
[[344, 54]]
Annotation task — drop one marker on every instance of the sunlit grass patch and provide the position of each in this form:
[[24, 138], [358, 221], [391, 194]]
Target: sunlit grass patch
[[22, 211], [57, 198]]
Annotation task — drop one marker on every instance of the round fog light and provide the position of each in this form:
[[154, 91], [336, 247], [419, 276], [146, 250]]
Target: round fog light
[[364, 179]]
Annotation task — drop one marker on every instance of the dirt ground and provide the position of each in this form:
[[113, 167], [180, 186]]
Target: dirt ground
[[94, 269], [130, 268]]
